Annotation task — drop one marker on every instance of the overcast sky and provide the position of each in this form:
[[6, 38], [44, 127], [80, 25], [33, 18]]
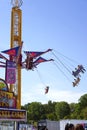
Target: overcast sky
[[60, 25]]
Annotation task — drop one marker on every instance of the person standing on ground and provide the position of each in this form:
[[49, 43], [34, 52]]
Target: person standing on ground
[[69, 126], [79, 127]]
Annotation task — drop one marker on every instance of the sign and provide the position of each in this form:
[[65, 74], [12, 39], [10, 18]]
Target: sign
[[13, 114], [3, 85], [7, 99]]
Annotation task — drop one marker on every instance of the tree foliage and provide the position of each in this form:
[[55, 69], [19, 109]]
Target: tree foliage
[[57, 110], [62, 109], [83, 101]]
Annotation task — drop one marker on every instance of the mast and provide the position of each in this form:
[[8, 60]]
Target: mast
[[16, 38]]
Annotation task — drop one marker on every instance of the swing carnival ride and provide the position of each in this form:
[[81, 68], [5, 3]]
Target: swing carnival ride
[[14, 63], [33, 59], [62, 61]]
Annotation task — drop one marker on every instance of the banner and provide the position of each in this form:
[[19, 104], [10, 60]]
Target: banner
[[10, 72]]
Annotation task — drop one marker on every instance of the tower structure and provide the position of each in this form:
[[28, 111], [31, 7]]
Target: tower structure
[[16, 40]]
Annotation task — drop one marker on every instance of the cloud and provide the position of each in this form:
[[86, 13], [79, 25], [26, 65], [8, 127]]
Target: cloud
[[67, 96], [38, 95]]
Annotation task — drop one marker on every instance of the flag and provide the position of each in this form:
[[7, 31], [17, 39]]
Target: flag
[[12, 51], [10, 72], [40, 60], [35, 54]]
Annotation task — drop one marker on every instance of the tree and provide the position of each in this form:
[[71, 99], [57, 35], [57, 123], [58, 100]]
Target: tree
[[83, 101], [35, 111], [49, 110], [72, 107], [62, 109], [84, 113], [56, 110], [75, 111]]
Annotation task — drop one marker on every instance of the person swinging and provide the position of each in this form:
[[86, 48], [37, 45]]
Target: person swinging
[[76, 82]]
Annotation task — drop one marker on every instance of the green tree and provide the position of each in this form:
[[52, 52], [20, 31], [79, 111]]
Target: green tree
[[72, 107], [84, 113], [75, 111], [83, 101], [56, 110], [35, 111], [62, 110], [50, 110]]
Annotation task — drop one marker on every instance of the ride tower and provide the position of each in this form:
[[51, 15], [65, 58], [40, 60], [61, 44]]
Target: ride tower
[[16, 40]]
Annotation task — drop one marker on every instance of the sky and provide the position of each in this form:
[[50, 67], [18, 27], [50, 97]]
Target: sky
[[60, 25]]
